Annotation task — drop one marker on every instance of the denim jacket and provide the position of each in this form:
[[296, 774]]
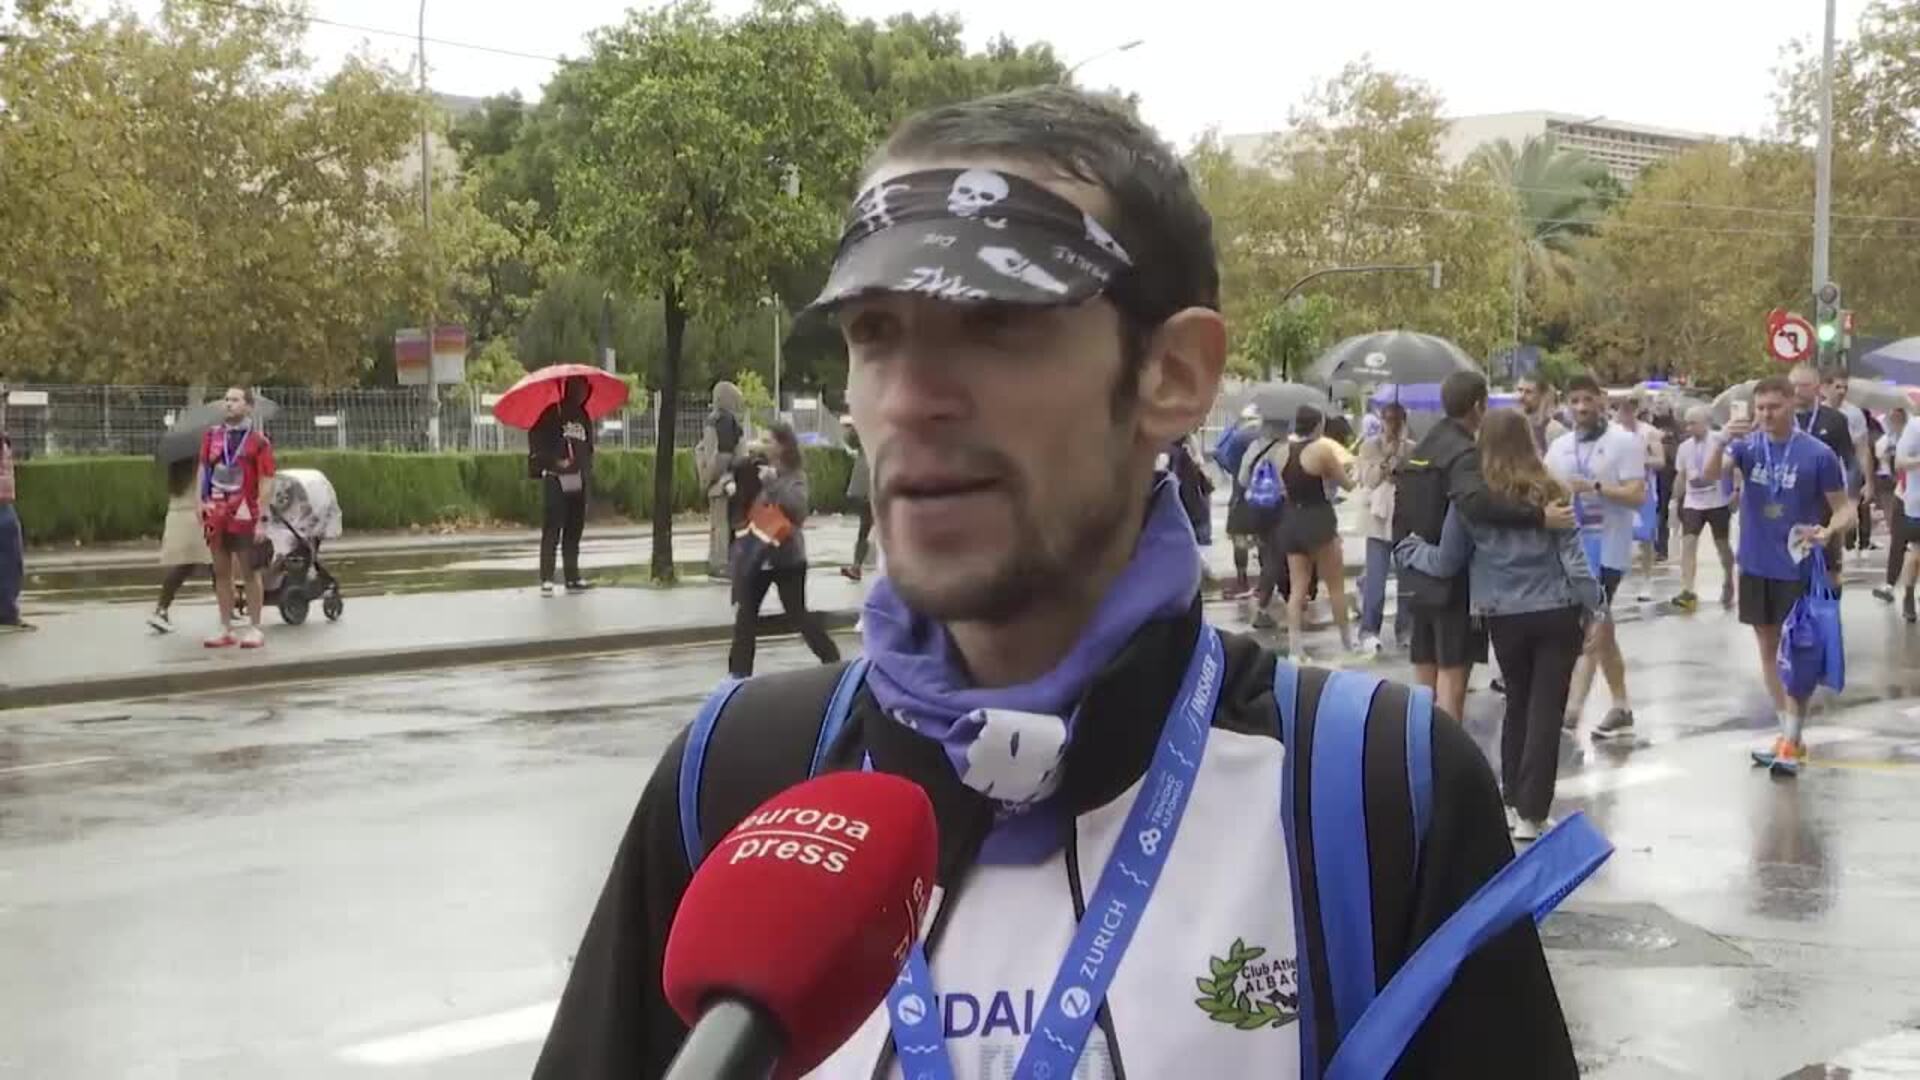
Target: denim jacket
[[1510, 571]]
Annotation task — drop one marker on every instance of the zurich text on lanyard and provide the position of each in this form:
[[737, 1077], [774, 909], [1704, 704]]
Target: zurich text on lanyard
[[1113, 912], [1767, 462]]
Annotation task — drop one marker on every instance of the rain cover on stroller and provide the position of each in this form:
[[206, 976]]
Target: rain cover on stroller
[[303, 503]]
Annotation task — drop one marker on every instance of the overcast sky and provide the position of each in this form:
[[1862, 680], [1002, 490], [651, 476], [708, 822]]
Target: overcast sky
[[1698, 65]]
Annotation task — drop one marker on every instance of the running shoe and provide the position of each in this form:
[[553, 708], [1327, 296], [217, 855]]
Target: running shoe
[[1263, 620], [1883, 593], [1526, 832], [851, 573], [546, 588], [579, 586], [222, 640], [1617, 724], [1686, 602], [161, 622], [1788, 759], [251, 638], [1906, 607], [1764, 758]]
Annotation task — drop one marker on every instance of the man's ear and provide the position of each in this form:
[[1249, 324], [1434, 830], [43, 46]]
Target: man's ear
[[1180, 376]]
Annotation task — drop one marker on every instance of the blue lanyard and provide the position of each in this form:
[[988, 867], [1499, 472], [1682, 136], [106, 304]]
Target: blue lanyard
[[1766, 459], [1113, 911]]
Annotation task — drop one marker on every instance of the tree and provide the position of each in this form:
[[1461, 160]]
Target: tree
[[1358, 179], [710, 157], [1557, 196], [180, 203]]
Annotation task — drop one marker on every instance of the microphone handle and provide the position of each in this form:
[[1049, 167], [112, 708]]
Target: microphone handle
[[733, 1040]]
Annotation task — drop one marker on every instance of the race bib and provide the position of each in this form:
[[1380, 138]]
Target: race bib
[[228, 477]]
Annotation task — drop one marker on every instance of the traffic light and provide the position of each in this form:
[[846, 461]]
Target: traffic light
[[1826, 322]]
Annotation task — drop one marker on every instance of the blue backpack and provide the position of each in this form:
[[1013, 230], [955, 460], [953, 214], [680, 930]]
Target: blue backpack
[[1265, 494], [1372, 1027]]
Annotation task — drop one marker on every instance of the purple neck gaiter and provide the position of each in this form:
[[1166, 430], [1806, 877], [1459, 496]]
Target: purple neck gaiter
[[918, 679]]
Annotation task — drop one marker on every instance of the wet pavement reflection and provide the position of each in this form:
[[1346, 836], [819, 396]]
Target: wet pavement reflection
[[297, 880]]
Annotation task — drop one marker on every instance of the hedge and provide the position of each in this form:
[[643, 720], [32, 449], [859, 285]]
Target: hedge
[[94, 499]]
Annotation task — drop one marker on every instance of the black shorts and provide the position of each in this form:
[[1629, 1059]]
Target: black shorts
[[1693, 522], [1610, 581], [1766, 601], [1448, 638], [1306, 529]]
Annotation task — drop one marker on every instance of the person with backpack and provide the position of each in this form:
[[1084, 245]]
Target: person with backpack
[[713, 459], [1037, 658], [1540, 600], [1228, 453], [1444, 472], [1265, 496], [1196, 488]]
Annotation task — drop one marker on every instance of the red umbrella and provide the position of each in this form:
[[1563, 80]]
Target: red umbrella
[[522, 405]]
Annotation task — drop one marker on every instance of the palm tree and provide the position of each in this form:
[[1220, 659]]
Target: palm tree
[[1559, 195]]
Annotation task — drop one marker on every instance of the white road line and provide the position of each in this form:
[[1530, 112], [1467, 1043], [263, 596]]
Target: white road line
[[71, 763], [1890, 1056], [1600, 781], [510, 1028]]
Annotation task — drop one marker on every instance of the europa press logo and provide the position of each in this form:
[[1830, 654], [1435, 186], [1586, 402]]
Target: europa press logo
[[804, 835]]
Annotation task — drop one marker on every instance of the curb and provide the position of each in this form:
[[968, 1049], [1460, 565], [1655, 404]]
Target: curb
[[221, 675]]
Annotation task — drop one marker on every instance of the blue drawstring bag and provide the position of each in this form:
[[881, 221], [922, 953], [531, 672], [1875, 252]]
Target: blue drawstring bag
[[1802, 658], [1823, 610]]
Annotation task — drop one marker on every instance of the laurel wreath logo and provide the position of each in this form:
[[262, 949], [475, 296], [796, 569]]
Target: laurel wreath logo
[[1225, 1004]]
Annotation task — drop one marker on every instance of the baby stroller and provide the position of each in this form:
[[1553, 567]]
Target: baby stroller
[[303, 514]]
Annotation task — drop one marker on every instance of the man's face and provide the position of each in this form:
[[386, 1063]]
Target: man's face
[[1806, 387], [1774, 413], [1589, 409], [1697, 427], [1627, 412], [1836, 391], [1001, 468], [1530, 396], [236, 405]]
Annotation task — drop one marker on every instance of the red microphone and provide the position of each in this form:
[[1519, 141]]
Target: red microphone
[[795, 926]]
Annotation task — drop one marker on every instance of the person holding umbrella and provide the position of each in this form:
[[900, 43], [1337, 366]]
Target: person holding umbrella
[[557, 407], [561, 445], [183, 544]]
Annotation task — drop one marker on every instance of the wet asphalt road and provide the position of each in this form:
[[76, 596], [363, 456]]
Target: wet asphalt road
[[385, 878]]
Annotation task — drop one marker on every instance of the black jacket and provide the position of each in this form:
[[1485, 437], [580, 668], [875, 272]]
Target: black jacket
[[561, 441], [1501, 1017], [1451, 447]]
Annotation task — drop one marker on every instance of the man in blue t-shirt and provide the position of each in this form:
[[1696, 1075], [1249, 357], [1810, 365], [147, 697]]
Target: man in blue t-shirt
[[1794, 498]]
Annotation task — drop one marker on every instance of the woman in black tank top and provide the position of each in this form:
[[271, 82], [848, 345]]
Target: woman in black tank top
[[1309, 533]]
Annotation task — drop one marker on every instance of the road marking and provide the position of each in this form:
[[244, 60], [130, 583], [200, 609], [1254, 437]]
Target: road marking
[[1600, 781], [461, 1037], [1889, 1056], [68, 764]]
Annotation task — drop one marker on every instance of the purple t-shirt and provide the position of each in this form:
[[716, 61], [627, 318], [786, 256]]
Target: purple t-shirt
[[1787, 485]]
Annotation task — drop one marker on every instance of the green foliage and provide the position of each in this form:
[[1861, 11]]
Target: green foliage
[[181, 200], [1285, 339], [495, 367], [97, 499], [754, 390]]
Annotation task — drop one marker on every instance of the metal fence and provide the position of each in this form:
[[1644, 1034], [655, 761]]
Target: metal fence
[[56, 420]]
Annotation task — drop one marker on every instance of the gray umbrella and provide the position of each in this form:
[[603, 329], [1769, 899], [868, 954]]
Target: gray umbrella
[[1395, 356], [182, 440], [1866, 393], [1278, 402]]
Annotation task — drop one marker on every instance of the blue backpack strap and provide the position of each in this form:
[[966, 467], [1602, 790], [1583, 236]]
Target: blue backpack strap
[[1341, 866], [1286, 695], [1420, 764], [693, 761], [1528, 887], [693, 758], [839, 709]]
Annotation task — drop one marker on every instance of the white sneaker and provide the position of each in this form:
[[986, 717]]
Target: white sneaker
[[251, 637], [1513, 818], [160, 622], [1372, 645], [1645, 596], [546, 588]]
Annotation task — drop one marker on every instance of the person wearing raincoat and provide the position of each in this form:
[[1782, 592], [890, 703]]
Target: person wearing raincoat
[[726, 427]]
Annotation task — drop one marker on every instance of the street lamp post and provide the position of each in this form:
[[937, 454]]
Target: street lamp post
[[1103, 54], [426, 224], [1823, 177], [1432, 270]]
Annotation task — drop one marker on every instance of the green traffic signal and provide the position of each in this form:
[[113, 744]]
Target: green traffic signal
[[1828, 333]]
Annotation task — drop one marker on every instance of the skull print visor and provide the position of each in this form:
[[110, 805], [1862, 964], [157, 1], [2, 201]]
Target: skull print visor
[[971, 236]]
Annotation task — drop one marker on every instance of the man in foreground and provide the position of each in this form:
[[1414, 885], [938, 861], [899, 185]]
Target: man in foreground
[[1014, 383], [236, 469], [1793, 498], [1606, 469]]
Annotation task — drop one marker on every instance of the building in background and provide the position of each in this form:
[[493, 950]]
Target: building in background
[[1625, 149]]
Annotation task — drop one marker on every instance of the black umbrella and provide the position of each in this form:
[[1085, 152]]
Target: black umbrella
[[1395, 356], [1279, 401], [182, 440]]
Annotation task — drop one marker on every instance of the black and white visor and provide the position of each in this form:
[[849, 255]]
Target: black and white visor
[[971, 236]]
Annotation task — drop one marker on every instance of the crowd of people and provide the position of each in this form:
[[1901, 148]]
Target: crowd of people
[[1510, 534]]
